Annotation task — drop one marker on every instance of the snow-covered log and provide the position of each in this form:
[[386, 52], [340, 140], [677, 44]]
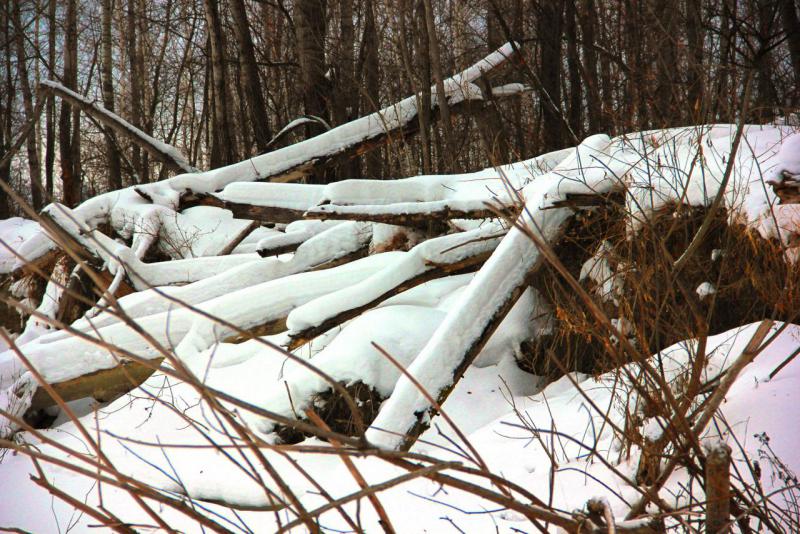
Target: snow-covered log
[[353, 138], [292, 237], [434, 258], [160, 151], [492, 293], [418, 214], [264, 202], [258, 309]]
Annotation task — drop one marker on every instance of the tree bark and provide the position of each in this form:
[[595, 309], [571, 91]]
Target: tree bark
[[425, 86], [34, 168], [550, 31], [371, 80], [441, 100], [791, 26], [573, 61], [69, 144], [5, 112], [50, 110], [767, 98], [256, 105], [135, 75], [106, 71], [311, 27], [696, 78], [667, 106], [222, 126], [588, 18]]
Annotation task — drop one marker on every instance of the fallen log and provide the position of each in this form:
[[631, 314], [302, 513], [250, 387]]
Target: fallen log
[[261, 214], [103, 385], [488, 298], [290, 163], [259, 310], [417, 214], [352, 139], [435, 258]]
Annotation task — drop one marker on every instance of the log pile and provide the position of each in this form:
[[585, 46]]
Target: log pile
[[124, 264]]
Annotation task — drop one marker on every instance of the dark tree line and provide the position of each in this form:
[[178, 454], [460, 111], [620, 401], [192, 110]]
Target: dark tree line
[[218, 79]]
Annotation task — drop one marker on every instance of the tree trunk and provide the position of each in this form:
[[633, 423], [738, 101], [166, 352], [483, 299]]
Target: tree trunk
[[5, 112], [50, 109], [250, 78], [791, 26], [441, 99], [222, 125], [69, 144], [588, 19], [311, 27], [106, 70], [724, 71], [575, 93], [550, 31], [696, 79], [27, 102], [371, 81], [767, 98], [346, 89], [135, 88], [667, 108], [424, 67]]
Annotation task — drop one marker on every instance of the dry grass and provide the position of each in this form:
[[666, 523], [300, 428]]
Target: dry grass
[[661, 307]]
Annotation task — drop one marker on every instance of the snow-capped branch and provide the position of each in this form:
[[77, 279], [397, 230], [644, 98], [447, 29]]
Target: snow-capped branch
[[166, 154]]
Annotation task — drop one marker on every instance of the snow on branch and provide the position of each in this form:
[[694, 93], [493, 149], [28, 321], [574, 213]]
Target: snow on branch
[[348, 140], [163, 152]]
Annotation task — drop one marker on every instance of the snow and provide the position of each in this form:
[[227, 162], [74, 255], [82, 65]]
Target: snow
[[487, 407], [13, 233], [290, 196], [424, 257], [246, 307], [488, 292], [294, 234], [705, 289], [789, 156]]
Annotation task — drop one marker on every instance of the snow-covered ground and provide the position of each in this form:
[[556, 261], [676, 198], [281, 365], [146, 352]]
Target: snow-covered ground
[[497, 406]]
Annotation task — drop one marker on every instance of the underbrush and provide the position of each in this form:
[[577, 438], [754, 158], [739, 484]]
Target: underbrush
[[735, 277]]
